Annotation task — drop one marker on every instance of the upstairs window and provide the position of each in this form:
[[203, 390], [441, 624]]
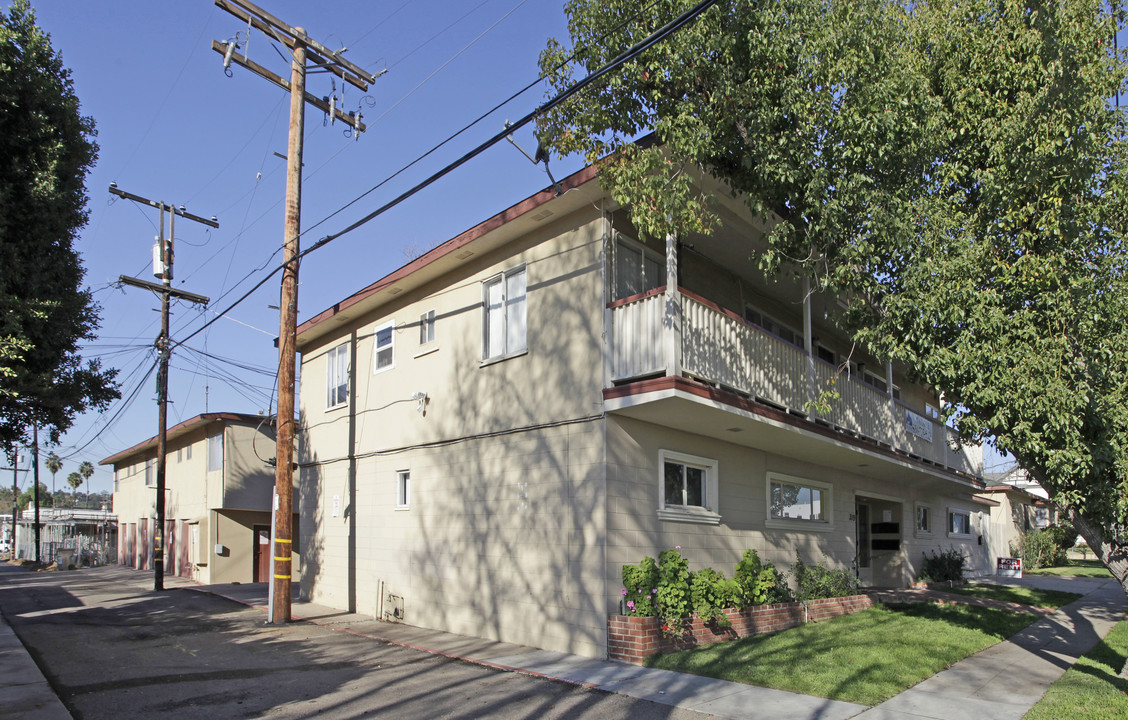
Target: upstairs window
[[337, 376], [505, 316], [637, 269], [427, 327], [384, 352], [215, 452], [771, 325], [150, 475]]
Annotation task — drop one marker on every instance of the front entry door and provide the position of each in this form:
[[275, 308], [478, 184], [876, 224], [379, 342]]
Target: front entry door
[[863, 560], [263, 556]]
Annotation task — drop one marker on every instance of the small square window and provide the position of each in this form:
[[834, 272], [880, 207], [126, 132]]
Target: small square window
[[403, 489], [687, 490], [384, 358], [427, 327], [959, 523]]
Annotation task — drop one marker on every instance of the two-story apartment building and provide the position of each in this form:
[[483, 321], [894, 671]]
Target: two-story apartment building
[[491, 432], [219, 485]]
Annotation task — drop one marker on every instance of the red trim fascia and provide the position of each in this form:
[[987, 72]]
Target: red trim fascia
[[636, 297], [694, 387], [454, 244], [201, 419]]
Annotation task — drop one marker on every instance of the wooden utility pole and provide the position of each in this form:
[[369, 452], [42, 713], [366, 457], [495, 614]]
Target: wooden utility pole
[[303, 49], [163, 263]]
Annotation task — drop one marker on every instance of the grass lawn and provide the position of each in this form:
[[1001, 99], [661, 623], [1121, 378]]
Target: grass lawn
[[1024, 595], [867, 657], [1075, 568], [1092, 689]]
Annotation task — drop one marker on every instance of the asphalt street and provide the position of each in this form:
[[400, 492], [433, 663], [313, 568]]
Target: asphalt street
[[111, 647]]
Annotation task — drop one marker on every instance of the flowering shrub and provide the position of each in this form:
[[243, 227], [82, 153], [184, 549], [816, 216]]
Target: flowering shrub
[[640, 586], [673, 590]]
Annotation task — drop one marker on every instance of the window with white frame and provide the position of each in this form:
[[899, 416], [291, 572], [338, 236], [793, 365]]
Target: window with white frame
[[637, 269], [215, 452], [798, 501], [150, 475], [923, 519], [337, 376], [959, 523], [179, 454], [504, 326], [187, 452], [403, 489], [687, 488], [427, 327], [383, 357]]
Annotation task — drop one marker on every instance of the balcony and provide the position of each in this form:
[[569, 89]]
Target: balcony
[[662, 333]]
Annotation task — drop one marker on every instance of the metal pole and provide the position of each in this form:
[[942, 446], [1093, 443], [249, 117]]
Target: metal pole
[[35, 476], [287, 342]]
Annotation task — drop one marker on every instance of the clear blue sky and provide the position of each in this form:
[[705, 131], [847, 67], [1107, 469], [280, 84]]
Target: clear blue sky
[[173, 127]]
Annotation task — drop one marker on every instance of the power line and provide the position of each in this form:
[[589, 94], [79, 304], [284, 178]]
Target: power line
[[624, 57]]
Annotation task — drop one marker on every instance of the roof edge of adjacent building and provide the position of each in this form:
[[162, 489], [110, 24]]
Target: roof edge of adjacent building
[[183, 428]]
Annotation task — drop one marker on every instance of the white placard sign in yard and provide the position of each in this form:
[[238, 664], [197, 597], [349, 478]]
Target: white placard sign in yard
[[1008, 567]]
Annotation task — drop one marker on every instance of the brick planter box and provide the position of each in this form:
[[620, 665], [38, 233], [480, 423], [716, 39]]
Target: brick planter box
[[633, 639]]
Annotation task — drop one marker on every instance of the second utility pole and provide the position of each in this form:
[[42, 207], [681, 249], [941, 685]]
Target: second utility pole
[[163, 258], [303, 48]]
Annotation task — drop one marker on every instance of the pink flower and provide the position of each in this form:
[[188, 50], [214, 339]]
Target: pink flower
[[623, 592], [677, 547], [630, 604]]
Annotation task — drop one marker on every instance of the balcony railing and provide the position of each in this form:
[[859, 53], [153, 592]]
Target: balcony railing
[[720, 347]]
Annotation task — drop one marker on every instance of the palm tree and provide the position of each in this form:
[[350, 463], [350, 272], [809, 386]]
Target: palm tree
[[54, 464], [74, 480], [86, 469]]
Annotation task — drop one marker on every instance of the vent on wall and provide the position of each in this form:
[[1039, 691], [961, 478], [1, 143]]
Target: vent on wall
[[393, 608], [542, 215], [464, 254]]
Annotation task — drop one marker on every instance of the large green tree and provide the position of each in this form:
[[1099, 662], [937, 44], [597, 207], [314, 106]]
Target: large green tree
[[955, 169], [46, 147]]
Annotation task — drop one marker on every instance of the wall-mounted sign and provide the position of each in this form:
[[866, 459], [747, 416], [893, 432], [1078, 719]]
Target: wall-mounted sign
[[918, 425], [336, 505]]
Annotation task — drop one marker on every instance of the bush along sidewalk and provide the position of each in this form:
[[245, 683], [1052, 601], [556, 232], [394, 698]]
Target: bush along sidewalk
[[667, 607]]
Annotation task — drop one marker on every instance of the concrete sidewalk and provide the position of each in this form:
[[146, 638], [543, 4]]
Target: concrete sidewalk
[[1003, 681]]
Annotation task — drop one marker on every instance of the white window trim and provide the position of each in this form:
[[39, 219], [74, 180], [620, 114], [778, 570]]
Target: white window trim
[[427, 319], [403, 489], [330, 362], [390, 325], [948, 519], [707, 515], [646, 253], [931, 520], [827, 490], [799, 338], [503, 277]]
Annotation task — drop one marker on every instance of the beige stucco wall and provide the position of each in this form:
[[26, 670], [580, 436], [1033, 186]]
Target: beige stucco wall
[[503, 522], [635, 531]]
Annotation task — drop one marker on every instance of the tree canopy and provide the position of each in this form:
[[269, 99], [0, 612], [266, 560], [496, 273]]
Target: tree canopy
[[955, 169], [47, 148]]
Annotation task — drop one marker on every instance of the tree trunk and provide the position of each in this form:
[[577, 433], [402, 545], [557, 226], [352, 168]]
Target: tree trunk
[[1112, 554]]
